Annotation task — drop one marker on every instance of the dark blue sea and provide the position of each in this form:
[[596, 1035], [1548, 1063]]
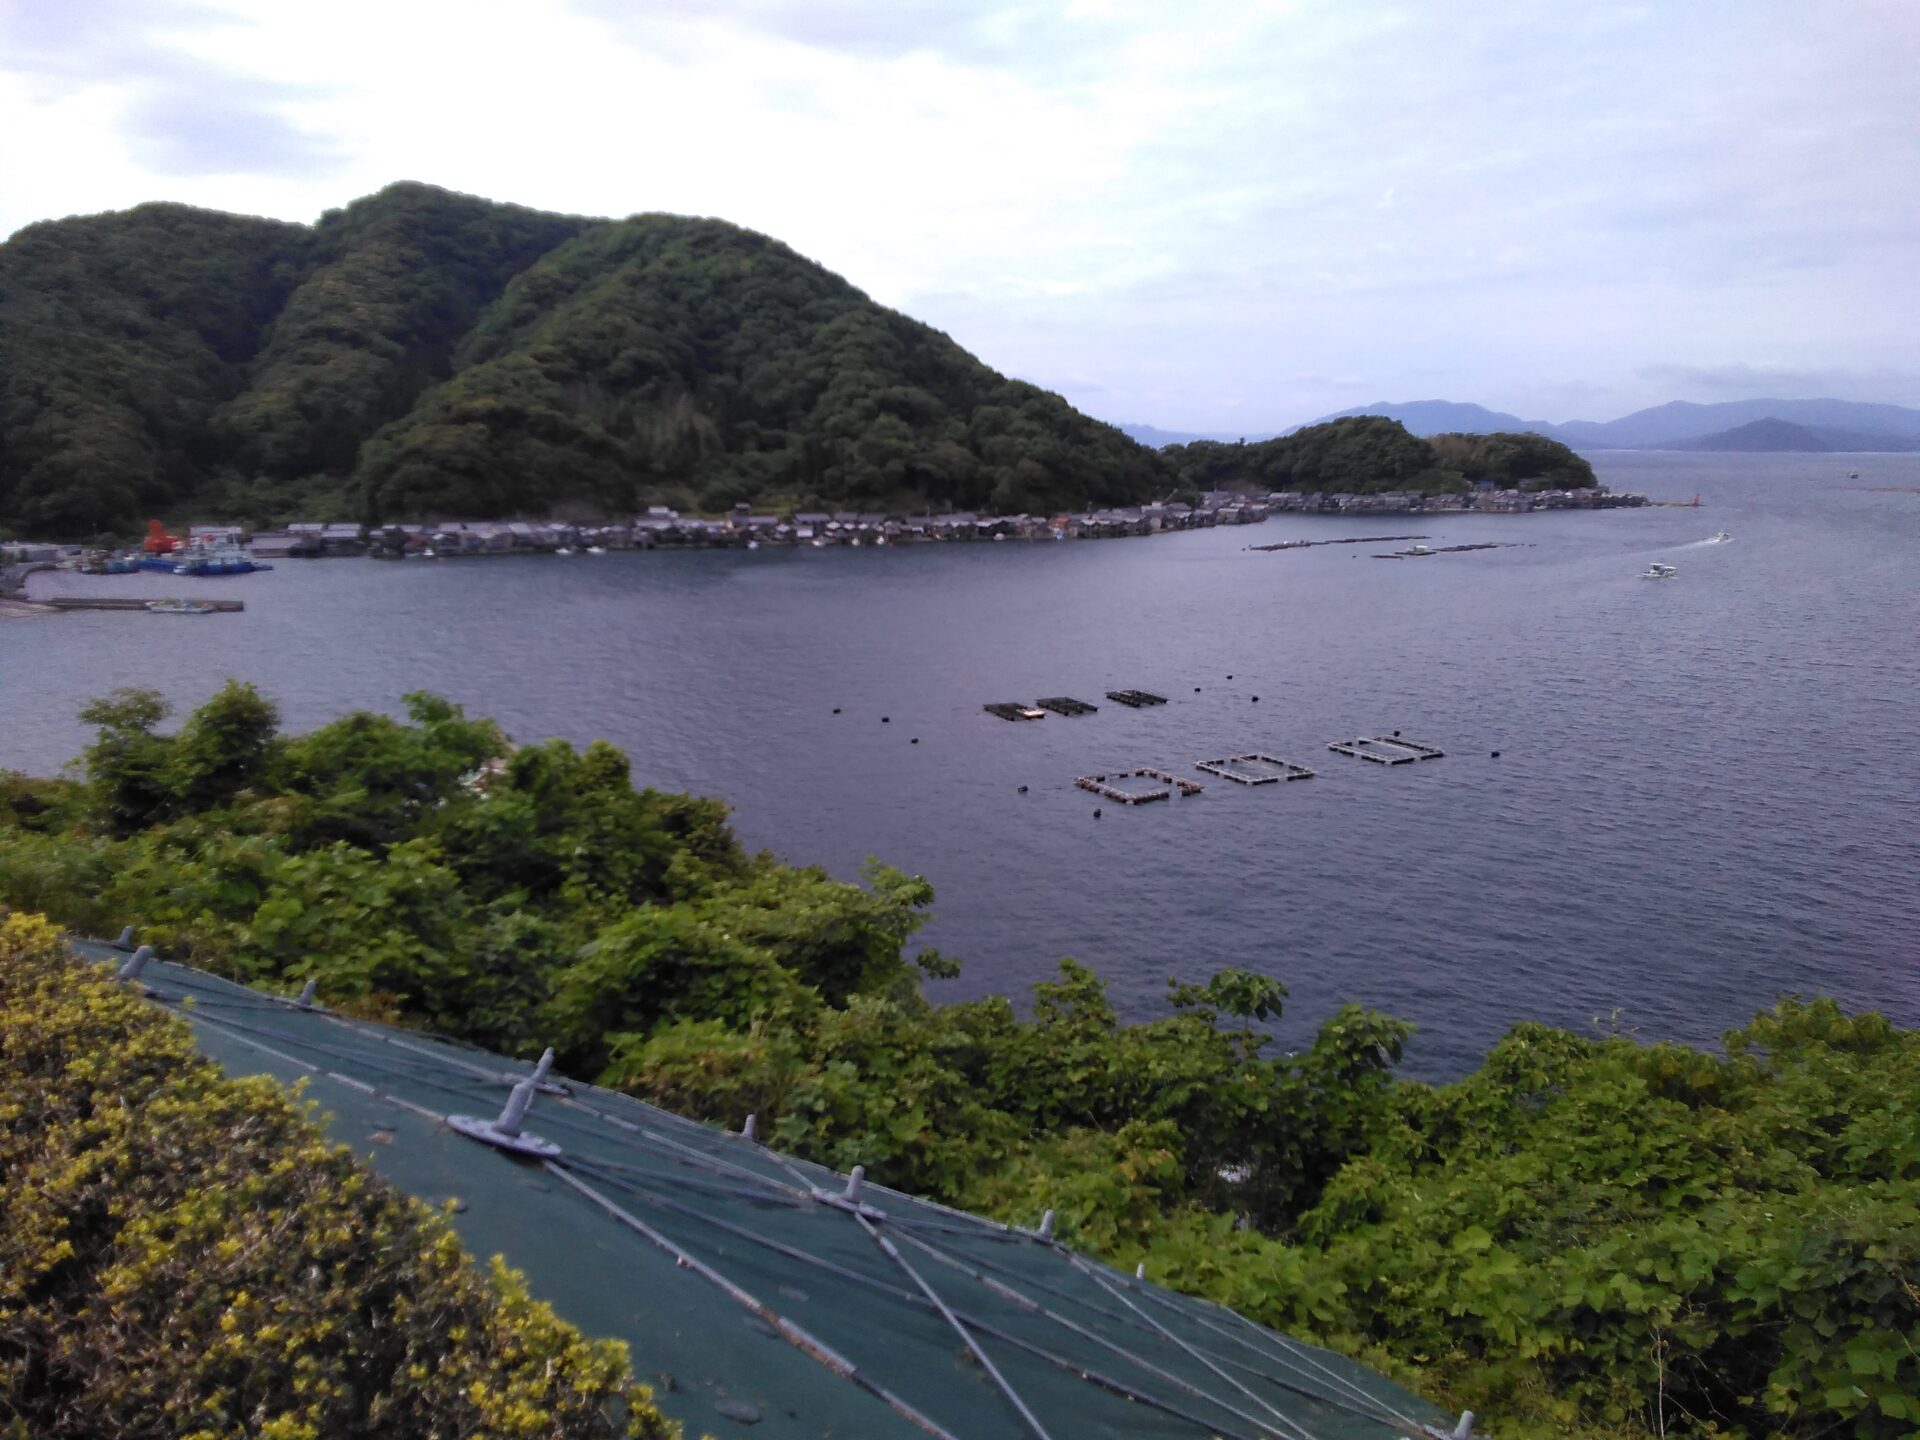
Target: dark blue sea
[[1707, 792]]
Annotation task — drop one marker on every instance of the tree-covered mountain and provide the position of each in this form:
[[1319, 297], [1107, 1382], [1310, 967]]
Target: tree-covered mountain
[[423, 354], [1368, 454]]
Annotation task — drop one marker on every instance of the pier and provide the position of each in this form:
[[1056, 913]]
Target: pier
[[1254, 769], [1136, 698], [1389, 751], [1066, 705], [126, 602], [1169, 782]]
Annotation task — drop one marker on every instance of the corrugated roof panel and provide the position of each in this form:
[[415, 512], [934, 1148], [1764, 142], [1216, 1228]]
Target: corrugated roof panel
[[757, 1291]]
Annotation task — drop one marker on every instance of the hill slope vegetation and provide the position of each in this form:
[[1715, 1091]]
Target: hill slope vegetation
[[1368, 454], [423, 354]]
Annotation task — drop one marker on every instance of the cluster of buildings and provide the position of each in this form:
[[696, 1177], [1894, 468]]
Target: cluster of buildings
[[1484, 498], [743, 527]]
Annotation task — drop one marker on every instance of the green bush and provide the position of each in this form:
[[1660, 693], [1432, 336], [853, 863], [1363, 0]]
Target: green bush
[[183, 1255]]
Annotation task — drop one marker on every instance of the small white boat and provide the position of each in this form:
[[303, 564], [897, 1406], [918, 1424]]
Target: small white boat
[[564, 550], [1419, 550], [1031, 712], [1720, 537], [596, 549], [1657, 571]]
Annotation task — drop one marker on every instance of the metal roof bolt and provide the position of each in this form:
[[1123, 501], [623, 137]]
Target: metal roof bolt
[[1046, 1226], [746, 1130], [307, 992], [125, 942], [515, 1110], [1464, 1430], [855, 1181], [135, 964], [1140, 1271]]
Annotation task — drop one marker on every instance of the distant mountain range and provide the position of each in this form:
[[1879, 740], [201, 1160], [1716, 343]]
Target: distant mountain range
[[1770, 436], [1814, 425], [1755, 426]]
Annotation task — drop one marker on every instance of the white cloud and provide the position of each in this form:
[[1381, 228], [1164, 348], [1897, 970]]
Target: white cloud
[[1177, 215]]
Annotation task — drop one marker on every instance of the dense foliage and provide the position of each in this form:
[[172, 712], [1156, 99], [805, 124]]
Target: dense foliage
[[1368, 454], [1585, 1237], [421, 354], [184, 1255]]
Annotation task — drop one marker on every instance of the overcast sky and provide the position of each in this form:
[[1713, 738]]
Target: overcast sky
[[1201, 216]]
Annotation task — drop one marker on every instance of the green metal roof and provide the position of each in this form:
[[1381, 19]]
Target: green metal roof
[[760, 1294]]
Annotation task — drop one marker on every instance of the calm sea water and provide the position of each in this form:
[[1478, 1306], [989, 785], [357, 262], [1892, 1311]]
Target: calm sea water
[[1708, 790]]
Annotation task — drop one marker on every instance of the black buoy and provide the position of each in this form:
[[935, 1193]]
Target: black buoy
[[916, 740], [1256, 699], [1096, 813], [1023, 789], [1496, 754], [886, 719], [1229, 677], [836, 709], [1196, 689], [1396, 734]]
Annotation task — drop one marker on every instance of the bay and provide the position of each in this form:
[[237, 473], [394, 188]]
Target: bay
[[1707, 792]]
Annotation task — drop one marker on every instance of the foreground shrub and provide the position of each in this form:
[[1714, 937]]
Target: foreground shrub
[[183, 1255]]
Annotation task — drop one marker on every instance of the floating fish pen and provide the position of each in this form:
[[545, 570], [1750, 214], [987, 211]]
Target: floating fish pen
[[1108, 785], [1254, 769], [1391, 751], [1011, 710], [1066, 705], [1136, 698]]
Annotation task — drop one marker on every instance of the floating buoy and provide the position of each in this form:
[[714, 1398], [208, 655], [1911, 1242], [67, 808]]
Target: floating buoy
[[1023, 789], [1096, 814], [1396, 734], [836, 709], [1496, 754], [916, 739], [886, 719], [1256, 699], [1229, 677], [1196, 689]]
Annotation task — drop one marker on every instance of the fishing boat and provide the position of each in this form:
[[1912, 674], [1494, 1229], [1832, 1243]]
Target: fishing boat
[[217, 558], [1720, 537], [1657, 571], [1419, 550], [179, 607]]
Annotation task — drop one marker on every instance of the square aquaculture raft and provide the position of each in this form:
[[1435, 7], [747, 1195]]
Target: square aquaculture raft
[[1387, 751], [1137, 787], [1254, 769]]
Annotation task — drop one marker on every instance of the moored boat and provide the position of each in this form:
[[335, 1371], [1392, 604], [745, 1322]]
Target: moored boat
[[178, 607], [220, 558], [1657, 571]]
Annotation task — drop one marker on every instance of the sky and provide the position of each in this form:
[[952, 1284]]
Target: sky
[[1201, 216]]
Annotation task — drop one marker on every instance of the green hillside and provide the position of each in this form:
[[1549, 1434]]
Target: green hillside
[[423, 354], [1368, 454]]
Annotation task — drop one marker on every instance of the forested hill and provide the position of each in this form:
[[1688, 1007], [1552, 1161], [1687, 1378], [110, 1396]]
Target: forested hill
[[423, 354], [1369, 454]]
